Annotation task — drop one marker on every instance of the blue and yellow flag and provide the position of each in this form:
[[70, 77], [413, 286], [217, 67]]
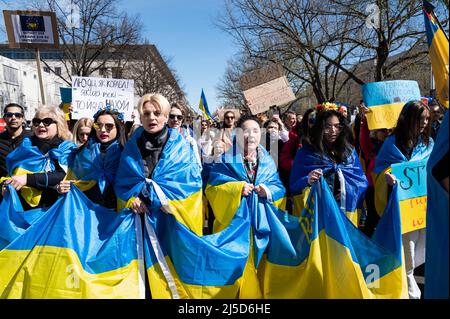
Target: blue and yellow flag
[[353, 182], [436, 271], [203, 105], [333, 259], [27, 159], [89, 167], [75, 249], [175, 185], [439, 49]]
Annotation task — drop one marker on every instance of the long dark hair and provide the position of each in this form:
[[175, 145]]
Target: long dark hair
[[341, 148], [303, 128], [121, 136], [408, 124]]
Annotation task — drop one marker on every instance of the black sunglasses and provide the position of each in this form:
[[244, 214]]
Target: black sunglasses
[[173, 116], [229, 117], [16, 115], [47, 121], [108, 126]]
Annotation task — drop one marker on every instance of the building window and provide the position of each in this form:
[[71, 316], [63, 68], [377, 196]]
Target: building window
[[46, 69], [116, 73], [57, 70], [103, 72], [10, 75]]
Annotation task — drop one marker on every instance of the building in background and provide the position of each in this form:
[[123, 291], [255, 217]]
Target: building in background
[[141, 63]]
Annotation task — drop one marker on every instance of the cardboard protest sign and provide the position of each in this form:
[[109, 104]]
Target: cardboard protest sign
[[266, 87], [91, 94], [31, 29], [385, 101], [412, 193]]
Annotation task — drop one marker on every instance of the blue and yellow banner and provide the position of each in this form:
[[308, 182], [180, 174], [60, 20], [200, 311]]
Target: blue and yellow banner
[[438, 50], [27, 159], [386, 99], [437, 269], [75, 249], [353, 182], [89, 167], [175, 184]]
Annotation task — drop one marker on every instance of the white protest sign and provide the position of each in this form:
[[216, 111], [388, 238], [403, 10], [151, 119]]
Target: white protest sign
[[91, 94], [266, 87]]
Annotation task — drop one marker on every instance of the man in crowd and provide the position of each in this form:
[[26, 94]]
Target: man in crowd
[[12, 137], [290, 120]]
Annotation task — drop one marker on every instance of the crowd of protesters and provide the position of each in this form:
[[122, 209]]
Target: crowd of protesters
[[326, 141]]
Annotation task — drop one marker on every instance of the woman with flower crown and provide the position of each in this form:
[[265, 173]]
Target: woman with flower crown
[[93, 168], [328, 153]]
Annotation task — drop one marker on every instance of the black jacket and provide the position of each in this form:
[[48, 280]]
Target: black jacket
[[7, 145]]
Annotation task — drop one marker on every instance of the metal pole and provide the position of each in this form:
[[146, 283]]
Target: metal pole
[[41, 83]]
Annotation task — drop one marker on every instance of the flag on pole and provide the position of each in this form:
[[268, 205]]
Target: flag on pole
[[438, 49], [203, 105]]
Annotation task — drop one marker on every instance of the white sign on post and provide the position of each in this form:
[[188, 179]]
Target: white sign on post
[[91, 94]]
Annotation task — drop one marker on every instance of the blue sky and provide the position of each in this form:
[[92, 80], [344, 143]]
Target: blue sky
[[185, 32]]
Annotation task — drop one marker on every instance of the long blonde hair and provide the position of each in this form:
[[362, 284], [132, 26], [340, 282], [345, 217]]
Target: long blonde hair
[[83, 122], [58, 115]]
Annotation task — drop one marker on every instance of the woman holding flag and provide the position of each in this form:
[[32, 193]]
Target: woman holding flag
[[410, 141], [95, 164], [328, 152], [40, 163]]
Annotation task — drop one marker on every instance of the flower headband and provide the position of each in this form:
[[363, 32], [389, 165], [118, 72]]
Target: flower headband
[[328, 106], [108, 107]]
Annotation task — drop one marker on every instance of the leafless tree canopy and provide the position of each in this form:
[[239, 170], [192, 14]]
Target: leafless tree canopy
[[325, 46]]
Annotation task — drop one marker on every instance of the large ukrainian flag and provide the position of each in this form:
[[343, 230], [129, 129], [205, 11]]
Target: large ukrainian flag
[[436, 271], [175, 185], [89, 167], [75, 249], [27, 159], [333, 258], [439, 50], [353, 182]]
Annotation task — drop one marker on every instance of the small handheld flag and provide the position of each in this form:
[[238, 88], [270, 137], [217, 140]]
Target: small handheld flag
[[203, 105]]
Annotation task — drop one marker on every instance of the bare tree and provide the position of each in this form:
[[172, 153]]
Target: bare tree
[[91, 33], [295, 34], [153, 73]]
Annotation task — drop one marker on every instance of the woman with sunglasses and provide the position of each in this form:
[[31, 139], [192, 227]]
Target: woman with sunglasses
[[94, 167], [329, 153], [409, 141], [40, 163]]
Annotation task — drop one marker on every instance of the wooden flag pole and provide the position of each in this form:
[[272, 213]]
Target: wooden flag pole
[[41, 83]]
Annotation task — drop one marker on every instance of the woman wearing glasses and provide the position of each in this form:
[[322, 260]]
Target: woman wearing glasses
[[40, 163], [95, 165], [328, 152]]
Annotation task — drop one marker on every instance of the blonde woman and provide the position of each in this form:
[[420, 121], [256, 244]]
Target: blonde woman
[[40, 163], [82, 130]]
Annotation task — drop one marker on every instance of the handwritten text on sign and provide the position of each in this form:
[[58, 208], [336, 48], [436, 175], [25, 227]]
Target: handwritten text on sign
[[90, 94], [275, 92], [412, 193], [386, 99]]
